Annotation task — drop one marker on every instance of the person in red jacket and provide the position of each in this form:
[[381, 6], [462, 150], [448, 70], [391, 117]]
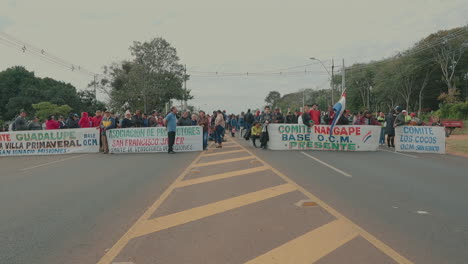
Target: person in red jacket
[[315, 114], [84, 120], [51, 123], [97, 119]]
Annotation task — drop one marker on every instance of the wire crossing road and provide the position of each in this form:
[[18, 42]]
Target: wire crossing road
[[234, 205]]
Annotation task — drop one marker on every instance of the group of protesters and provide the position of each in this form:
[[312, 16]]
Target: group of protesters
[[253, 123]]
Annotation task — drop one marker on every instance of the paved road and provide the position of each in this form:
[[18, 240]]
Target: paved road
[[234, 205]]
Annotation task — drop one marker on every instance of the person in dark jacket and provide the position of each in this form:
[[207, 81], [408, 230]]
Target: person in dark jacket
[[185, 120], [138, 119], [306, 119], [400, 119], [390, 129], [35, 124], [344, 119], [127, 122], [72, 121], [278, 117], [265, 119], [291, 118], [248, 120], [20, 123], [62, 123]]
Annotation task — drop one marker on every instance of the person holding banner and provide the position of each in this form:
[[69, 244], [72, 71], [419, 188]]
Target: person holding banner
[[171, 125], [203, 122], [107, 122]]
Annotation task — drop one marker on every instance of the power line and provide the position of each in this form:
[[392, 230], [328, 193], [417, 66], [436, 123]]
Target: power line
[[42, 54]]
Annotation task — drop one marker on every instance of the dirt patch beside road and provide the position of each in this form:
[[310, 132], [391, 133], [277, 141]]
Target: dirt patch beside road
[[458, 145]]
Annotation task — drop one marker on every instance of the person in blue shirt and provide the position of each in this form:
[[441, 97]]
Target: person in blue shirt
[[171, 125]]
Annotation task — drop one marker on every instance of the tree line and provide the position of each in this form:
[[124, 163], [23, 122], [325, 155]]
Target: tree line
[[431, 74]]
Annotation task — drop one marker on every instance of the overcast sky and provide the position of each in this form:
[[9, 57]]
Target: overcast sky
[[223, 36]]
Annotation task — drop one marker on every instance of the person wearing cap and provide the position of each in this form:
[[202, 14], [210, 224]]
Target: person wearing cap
[[171, 125], [414, 120], [20, 123], [35, 124], [407, 116], [72, 121], [107, 122], [127, 121], [400, 119], [278, 117]]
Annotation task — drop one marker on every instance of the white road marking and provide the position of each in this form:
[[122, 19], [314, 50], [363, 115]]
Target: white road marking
[[328, 165], [394, 152], [52, 162], [422, 212]]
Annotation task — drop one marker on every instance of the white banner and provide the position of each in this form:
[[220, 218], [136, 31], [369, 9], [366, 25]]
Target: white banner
[[154, 139], [344, 138], [423, 139], [49, 142]]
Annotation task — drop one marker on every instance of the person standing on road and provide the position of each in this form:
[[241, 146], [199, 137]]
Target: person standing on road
[[72, 121], [381, 120], [265, 119], [185, 120], [171, 125], [20, 123], [203, 122], [278, 117], [220, 124], [107, 122], [138, 119], [390, 129], [96, 120], [367, 120], [305, 117], [248, 120], [315, 114], [84, 120], [127, 122], [51, 123], [35, 124], [400, 119]]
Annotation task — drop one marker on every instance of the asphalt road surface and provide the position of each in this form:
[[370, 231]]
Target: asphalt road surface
[[235, 205]]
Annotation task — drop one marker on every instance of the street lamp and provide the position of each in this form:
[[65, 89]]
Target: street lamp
[[331, 77]]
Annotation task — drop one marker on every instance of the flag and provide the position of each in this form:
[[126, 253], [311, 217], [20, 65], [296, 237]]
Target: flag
[[339, 109]]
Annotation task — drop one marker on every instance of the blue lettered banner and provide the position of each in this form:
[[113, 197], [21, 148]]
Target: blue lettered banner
[[49, 142], [344, 138], [423, 139]]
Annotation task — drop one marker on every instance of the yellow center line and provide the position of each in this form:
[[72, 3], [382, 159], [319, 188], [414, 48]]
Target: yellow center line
[[311, 246], [224, 152], [220, 176], [372, 239], [222, 161], [123, 241], [165, 222]]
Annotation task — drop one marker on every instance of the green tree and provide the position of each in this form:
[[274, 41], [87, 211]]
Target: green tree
[[150, 80], [45, 109], [273, 98]]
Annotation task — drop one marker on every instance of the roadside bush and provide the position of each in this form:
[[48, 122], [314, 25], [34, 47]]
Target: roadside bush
[[453, 111]]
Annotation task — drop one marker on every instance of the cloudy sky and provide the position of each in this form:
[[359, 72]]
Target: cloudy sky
[[223, 36]]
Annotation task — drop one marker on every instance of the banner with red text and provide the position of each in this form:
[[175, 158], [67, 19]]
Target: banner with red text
[[153, 139], [344, 138], [49, 142]]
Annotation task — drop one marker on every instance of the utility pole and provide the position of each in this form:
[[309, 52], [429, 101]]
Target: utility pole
[[95, 88], [303, 99], [331, 83], [185, 87], [343, 78]]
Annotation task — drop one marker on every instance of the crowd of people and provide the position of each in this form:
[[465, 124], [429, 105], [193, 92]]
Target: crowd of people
[[254, 124]]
